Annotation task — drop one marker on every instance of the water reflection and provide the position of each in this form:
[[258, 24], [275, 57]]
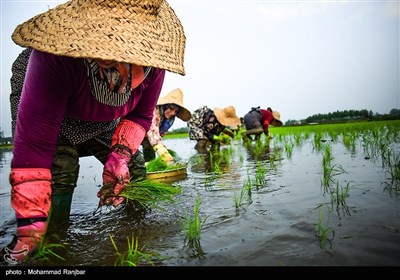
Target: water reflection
[[258, 150], [214, 161], [3, 153]]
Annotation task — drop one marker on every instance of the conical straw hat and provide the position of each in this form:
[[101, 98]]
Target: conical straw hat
[[176, 97], [141, 32], [277, 118], [227, 116]]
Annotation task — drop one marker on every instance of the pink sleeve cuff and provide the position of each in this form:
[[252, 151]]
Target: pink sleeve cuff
[[129, 134]]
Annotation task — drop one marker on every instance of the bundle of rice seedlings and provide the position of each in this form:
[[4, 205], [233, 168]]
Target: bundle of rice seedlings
[[158, 165], [149, 193]]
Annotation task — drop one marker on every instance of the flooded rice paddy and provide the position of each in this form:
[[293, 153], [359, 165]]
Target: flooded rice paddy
[[305, 199]]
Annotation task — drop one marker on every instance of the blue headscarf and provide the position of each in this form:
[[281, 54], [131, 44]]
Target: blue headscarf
[[165, 123]]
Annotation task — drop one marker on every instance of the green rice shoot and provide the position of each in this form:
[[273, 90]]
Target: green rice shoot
[[135, 255], [44, 250], [158, 165], [149, 193]]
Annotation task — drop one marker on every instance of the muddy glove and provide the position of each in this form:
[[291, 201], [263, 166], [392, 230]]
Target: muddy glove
[[222, 138], [162, 151], [126, 139], [31, 200]]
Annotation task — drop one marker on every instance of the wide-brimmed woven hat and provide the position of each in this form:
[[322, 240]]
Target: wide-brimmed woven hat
[[227, 116], [142, 32], [176, 97], [277, 118]]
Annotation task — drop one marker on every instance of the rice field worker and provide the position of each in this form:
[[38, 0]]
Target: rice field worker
[[168, 107], [257, 122], [210, 128], [90, 89]]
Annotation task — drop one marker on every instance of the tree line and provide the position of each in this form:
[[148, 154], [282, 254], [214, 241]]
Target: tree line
[[334, 117], [346, 116]]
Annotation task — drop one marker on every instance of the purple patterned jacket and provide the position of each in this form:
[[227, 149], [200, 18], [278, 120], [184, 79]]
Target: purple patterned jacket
[[58, 87]]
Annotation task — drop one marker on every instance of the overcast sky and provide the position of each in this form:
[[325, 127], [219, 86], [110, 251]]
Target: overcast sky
[[297, 57]]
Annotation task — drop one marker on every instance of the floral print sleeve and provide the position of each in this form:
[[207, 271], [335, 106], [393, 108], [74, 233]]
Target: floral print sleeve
[[196, 123], [153, 135]]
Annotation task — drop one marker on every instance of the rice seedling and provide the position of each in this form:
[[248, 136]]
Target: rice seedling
[[322, 233], [378, 141], [338, 197], [298, 140], [134, 256], [45, 250], [327, 154], [259, 149], [238, 133], [289, 149], [247, 189], [158, 165], [279, 138], [245, 192], [393, 170], [149, 193], [215, 162], [317, 143], [260, 175], [367, 146], [349, 141], [241, 158], [192, 226], [329, 170], [385, 152], [275, 157], [238, 199], [272, 160], [226, 155], [306, 135], [196, 159], [248, 144]]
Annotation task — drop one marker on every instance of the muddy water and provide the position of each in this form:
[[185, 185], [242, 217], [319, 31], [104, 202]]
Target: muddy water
[[277, 227]]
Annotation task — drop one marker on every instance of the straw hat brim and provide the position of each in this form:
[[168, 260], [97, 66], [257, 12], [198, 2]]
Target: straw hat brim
[[176, 97], [131, 31], [227, 116]]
